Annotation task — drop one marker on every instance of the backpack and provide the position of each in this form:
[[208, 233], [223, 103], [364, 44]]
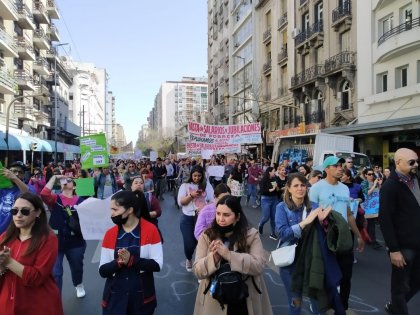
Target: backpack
[[228, 287]]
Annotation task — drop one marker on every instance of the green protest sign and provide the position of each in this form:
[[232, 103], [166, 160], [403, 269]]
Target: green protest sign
[[84, 186], [4, 181], [93, 150]]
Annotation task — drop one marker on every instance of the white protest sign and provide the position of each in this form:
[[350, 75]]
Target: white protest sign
[[153, 156], [206, 154], [95, 218], [216, 171]]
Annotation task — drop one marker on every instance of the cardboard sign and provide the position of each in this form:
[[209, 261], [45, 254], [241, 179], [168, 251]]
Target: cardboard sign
[[93, 151], [85, 186]]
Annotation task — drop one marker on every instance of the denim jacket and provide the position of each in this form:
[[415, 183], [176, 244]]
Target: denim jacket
[[287, 223]]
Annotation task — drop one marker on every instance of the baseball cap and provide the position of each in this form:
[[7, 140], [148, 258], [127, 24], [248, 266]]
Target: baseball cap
[[332, 160]]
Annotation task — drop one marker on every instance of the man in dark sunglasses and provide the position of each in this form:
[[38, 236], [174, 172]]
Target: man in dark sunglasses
[[8, 195], [399, 218]]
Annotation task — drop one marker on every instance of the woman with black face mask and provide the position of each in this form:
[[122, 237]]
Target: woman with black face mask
[[229, 240], [131, 252]]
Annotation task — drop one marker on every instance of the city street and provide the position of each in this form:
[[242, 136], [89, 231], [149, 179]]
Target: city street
[[176, 288]]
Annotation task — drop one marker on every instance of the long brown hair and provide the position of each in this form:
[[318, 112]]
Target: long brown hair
[[240, 231], [288, 197], [40, 230]]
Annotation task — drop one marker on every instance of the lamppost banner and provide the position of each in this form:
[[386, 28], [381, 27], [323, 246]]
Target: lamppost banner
[[222, 138], [93, 150]]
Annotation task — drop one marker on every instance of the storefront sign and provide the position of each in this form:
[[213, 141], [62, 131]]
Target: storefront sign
[[222, 138]]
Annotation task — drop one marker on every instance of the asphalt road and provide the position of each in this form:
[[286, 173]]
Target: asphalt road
[[176, 288]]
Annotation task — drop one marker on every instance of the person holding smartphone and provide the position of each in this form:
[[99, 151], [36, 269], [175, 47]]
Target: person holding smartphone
[[192, 197]]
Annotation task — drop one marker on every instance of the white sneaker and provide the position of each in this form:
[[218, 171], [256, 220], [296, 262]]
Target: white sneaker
[[80, 291], [188, 265]]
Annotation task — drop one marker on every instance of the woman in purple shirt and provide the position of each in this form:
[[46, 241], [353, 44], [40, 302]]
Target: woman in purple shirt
[[207, 215]]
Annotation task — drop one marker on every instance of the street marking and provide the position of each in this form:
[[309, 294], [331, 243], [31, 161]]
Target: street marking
[[181, 294], [161, 275]]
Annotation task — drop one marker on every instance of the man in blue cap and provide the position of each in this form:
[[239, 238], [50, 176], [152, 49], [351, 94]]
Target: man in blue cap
[[331, 192]]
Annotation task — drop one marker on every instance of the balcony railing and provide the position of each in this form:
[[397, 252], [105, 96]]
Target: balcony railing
[[282, 55], [406, 26], [302, 2], [267, 66], [339, 61], [9, 41], [342, 11], [7, 80], [267, 35], [26, 18], [40, 12], [308, 75], [317, 27], [282, 20], [11, 6]]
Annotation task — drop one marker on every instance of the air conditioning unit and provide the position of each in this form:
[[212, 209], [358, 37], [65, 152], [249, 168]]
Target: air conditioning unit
[[295, 33]]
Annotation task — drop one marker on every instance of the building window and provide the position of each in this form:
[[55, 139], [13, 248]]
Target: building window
[[318, 12], [307, 110], [382, 82], [345, 96], [401, 77], [386, 24], [418, 71], [319, 111], [305, 22]]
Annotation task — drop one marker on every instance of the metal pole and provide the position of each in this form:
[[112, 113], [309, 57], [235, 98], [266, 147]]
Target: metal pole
[[243, 60], [55, 104], [83, 123]]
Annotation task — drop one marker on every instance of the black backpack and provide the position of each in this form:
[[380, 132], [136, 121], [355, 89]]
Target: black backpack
[[228, 287]]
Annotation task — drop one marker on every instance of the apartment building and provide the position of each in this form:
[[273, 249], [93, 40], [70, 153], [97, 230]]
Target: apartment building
[[177, 103], [230, 61], [110, 119], [389, 78], [31, 70]]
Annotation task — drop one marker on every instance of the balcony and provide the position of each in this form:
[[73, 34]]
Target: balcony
[[25, 17], [345, 60], [267, 67], [307, 76], [8, 83], [39, 12], [341, 17], [42, 118], [23, 111], [344, 107], [41, 89], [406, 26], [25, 49], [8, 10], [41, 40], [8, 47], [267, 36], [24, 80], [52, 9], [50, 54], [41, 66], [282, 56], [52, 31], [314, 35], [315, 117], [282, 21]]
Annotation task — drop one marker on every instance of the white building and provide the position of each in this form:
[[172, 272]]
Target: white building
[[110, 117]]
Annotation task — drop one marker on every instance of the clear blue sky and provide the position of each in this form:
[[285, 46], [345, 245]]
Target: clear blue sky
[[140, 43]]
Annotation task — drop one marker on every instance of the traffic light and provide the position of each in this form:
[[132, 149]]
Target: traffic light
[[34, 146]]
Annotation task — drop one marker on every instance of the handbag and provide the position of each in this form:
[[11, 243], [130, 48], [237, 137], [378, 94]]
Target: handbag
[[283, 256]]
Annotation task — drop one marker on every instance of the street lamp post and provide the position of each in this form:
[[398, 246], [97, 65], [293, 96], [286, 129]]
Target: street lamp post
[[243, 71], [6, 139], [56, 99]]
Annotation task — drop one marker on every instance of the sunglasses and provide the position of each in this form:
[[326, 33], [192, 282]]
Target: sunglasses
[[15, 171], [413, 162], [24, 211], [369, 174]]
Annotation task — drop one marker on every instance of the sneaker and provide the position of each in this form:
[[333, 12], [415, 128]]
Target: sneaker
[[255, 206], [388, 309], [258, 202], [260, 229], [246, 202], [188, 265], [376, 245], [80, 291], [354, 260], [273, 236]]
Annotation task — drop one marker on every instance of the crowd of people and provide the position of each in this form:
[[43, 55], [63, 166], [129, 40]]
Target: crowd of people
[[327, 212]]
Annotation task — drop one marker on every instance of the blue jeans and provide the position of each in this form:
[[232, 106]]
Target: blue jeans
[[75, 258], [286, 276], [252, 192], [268, 207], [187, 225]]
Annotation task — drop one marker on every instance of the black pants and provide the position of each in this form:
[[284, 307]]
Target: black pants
[[371, 228], [345, 261], [405, 282]]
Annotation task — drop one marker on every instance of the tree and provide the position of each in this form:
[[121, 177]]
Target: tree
[[162, 142]]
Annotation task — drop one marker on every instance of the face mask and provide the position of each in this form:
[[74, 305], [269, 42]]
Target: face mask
[[225, 229], [119, 220]]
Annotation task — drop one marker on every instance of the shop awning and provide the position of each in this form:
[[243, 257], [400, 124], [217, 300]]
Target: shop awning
[[63, 147]]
